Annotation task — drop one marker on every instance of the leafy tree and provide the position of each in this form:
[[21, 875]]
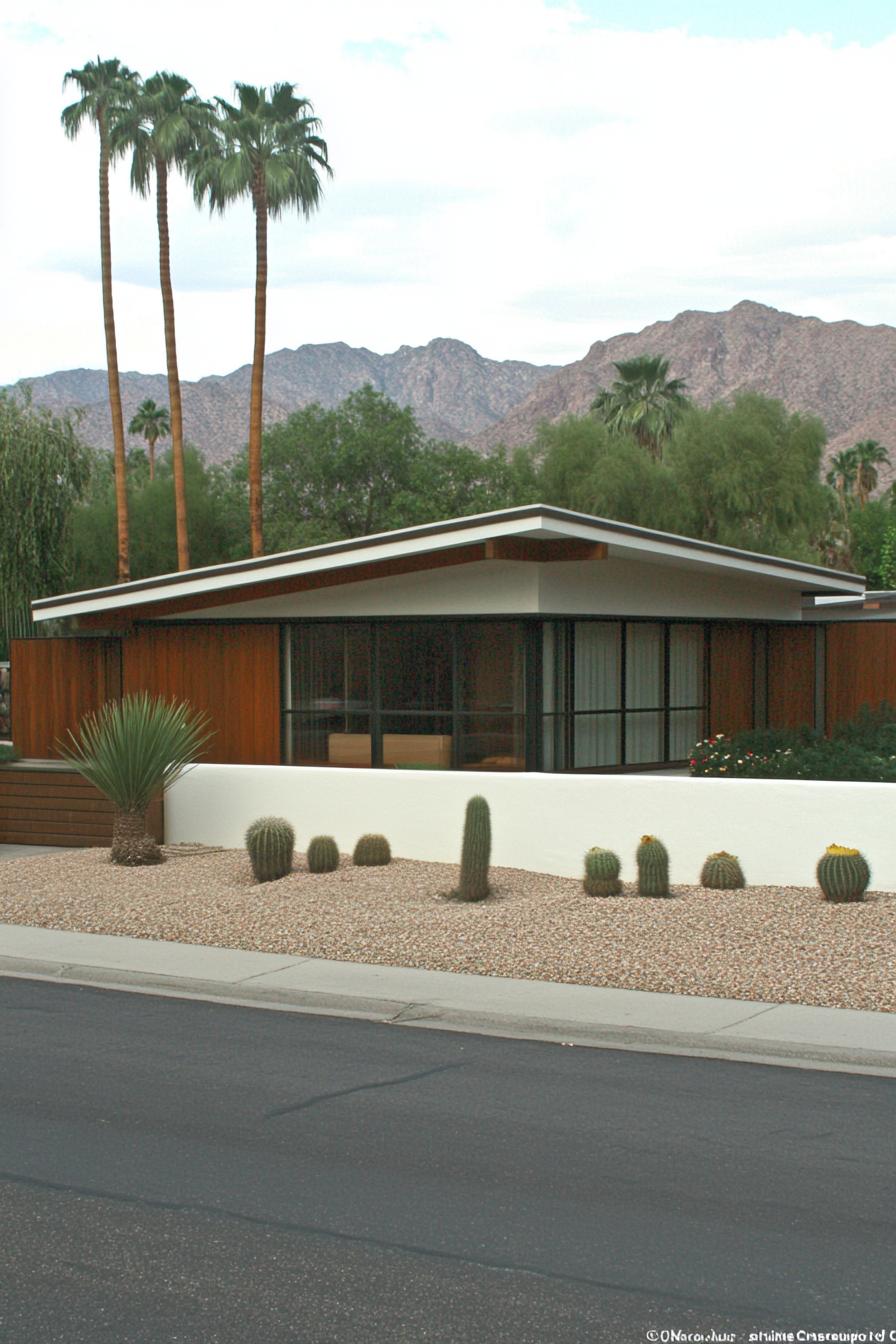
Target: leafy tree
[[44, 471], [154, 423], [267, 149], [748, 475], [869, 456], [106, 88], [871, 531], [161, 126], [643, 401], [583, 465], [217, 508], [365, 466]]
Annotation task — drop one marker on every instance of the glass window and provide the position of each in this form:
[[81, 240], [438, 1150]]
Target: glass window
[[643, 665], [597, 661], [490, 661], [331, 667], [415, 666], [491, 742], [597, 740], [685, 665], [329, 739]]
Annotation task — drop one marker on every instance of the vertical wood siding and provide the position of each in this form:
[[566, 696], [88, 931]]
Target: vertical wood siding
[[55, 682], [232, 672], [791, 676], [730, 678], [861, 667]]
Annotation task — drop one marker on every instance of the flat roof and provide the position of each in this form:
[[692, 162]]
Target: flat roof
[[532, 521]]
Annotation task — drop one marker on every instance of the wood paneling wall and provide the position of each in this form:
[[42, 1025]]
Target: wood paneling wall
[[791, 676], [232, 672], [730, 678], [55, 682], [54, 806], [861, 667]]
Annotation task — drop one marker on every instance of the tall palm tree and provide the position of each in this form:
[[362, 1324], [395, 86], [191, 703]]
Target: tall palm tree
[[869, 456], [267, 149], [163, 125], [842, 473], [154, 423], [643, 400], [106, 87]]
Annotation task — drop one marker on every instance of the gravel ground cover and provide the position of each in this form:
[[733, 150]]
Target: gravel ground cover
[[783, 945]]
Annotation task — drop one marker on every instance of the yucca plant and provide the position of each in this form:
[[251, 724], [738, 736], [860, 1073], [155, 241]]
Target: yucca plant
[[132, 750]]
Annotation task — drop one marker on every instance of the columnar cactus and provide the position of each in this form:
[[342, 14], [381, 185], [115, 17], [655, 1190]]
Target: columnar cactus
[[601, 873], [653, 867], [371, 851], [722, 872], [270, 842], [476, 851], [323, 854], [843, 874]]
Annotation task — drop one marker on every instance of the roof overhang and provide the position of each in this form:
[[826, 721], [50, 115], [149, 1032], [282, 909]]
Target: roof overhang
[[539, 523]]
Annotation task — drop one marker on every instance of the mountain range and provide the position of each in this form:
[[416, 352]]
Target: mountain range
[[843, 372]]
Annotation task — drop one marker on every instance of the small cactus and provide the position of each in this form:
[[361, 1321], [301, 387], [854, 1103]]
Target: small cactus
[[323, 854], [653, 867], [270, 842], [843, 874], [476, 851], [371, 851], [722, 872], [601, 873]]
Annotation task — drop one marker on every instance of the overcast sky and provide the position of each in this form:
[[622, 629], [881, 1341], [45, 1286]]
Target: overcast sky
[[528, 176]]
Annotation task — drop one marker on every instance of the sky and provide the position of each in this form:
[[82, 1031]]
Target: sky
[[526, 176]]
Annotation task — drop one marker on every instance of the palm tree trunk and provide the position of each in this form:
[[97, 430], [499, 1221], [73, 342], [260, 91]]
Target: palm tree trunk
[[132, 846], [177, 423], [151, 453], [255, 404], [121, 493]]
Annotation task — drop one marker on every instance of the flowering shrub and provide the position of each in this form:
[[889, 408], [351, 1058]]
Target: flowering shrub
[[855, 753]]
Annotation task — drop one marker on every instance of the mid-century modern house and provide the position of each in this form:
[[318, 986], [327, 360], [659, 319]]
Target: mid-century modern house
[[528, 639]]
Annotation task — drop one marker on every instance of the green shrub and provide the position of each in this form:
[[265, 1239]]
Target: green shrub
[[323, 854], [652, 859], [271, 843], [863, 749], [601, 873], [8, 753], [476, 851], [372, 851]]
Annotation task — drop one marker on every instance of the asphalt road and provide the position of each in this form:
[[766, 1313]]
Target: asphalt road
[[192, 1172]]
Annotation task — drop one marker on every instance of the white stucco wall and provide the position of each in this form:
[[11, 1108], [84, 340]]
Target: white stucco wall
[[613, 587], [546, 822]]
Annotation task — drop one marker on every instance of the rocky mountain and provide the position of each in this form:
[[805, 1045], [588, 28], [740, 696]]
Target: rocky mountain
[[843, 372], [454, 391]]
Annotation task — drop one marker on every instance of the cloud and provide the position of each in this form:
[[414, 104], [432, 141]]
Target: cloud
[[527, 186]]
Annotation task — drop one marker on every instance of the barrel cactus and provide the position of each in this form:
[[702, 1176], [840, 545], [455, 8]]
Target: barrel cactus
[[601, 873], [476, 851], [653, 867], [843, 874], [323, 854], [722, 872], [270, 842], [371, 851]]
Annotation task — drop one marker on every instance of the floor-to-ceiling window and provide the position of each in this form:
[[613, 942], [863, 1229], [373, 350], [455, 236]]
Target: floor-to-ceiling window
[[621, 693], [406, 694]]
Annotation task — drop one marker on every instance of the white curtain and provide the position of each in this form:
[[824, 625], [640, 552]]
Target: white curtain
[[685, 688], [596, 671], [643, 690]]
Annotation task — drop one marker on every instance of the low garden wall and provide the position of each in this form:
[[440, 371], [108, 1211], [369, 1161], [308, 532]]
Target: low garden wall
[[778, 828]]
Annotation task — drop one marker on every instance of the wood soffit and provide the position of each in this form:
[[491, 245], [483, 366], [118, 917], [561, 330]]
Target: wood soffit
[[502, 548]]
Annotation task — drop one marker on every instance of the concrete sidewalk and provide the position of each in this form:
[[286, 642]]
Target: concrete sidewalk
[[789, 1034]]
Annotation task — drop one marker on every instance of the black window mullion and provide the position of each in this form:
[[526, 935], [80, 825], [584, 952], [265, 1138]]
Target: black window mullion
[[667, 644], [623, 690], [376, 736]]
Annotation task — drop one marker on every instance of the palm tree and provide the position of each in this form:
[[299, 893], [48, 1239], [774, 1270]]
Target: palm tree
[[163, 125], [106, 87], [869, 456], [841, 474], [643, 400], [153, 423], [267, 149]]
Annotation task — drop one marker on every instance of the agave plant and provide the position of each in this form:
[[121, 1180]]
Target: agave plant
[[132, 750]]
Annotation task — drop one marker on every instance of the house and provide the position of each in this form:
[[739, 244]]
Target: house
[[530, 639]]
